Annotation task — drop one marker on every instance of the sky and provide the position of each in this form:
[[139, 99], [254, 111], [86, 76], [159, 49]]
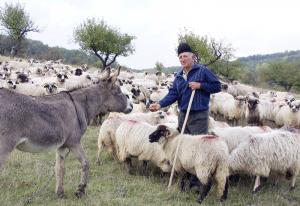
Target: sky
[[251, 27]]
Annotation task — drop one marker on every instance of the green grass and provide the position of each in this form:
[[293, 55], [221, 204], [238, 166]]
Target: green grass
[[25, 173]]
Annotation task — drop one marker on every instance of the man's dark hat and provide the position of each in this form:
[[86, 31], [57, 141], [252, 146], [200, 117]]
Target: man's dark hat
[[183, 47]]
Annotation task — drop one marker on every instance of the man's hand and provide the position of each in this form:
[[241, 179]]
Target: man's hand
[[194, 85], [154, 107]]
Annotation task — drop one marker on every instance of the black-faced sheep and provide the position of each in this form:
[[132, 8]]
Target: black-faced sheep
[[205, 156]]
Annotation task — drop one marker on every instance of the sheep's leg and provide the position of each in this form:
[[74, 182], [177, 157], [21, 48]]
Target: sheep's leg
[[194, 182], [79, 152], [234, 179], [128, 165], [221, 182], [183, 177], [100, 147], [257, 185], [225, 192], [60, 171], [204, 189], [144, 167], [293, 182]]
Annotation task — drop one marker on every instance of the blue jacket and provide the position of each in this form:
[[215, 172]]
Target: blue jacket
[[181, 92]]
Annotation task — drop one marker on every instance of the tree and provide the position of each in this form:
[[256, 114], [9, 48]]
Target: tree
[[159, 67], [281, 73], [105, 42], [16, 23], [207, 51]]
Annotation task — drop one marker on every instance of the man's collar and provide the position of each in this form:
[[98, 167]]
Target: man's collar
[[195, 67]]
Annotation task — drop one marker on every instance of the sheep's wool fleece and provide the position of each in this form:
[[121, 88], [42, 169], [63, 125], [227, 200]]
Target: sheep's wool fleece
[[276, 151]]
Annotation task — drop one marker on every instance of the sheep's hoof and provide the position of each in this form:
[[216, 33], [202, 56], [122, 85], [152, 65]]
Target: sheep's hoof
[[222, 199], [200, 200], [292, 188], [98, 162], [256, 190]]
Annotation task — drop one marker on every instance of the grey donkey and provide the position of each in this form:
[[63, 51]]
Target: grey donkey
[[36, 124]]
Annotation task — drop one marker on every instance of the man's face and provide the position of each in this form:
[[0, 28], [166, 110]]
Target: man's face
[[186, 59]]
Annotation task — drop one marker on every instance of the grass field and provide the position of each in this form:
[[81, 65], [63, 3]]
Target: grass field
[[24, 176]]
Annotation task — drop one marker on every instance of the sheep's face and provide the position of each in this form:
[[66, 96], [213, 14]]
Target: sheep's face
[[289, 100], [224, 87], [61, 77], [295, 105], [252, 103], [22, 78], [78, 72], [11, 84], [50, 87], [240, 100], [161, 132]]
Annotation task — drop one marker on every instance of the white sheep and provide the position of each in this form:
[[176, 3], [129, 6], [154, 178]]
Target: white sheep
[[212, 124], [289, 115], [205, 156], [233, 136], [277, 151], [106, 137], [231, 108], [132, 140]]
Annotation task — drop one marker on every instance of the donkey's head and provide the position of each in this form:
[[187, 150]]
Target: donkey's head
[[116, 101]]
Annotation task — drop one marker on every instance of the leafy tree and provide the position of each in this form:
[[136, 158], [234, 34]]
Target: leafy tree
[[159, 67], [105, 42], [281, 73], [207, 51], [16, 23], [214, 53], [230, 70]]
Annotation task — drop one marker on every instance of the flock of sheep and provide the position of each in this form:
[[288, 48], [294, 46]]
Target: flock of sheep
[[241, 144]]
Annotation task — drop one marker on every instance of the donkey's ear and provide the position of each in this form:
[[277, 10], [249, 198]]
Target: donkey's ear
[[114, 77], [105, 74]]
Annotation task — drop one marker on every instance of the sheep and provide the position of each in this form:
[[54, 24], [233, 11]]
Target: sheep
[[277, 151], [239, 89], [205, 156], [289, 115], [10, 84], [158, 95], [132, 141], [106, 137], [35, 89], [233, 136], [259, 112], [215, 124], [232, 108]]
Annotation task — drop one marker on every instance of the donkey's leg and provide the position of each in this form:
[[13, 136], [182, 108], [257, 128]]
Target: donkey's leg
[[79, 152], [6, 147], [61, 154]]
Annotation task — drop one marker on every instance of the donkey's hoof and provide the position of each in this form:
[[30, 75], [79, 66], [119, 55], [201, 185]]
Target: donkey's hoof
[[61, 195], [79, 193]]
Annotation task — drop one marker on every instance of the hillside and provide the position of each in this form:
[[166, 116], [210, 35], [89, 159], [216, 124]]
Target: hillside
[[252, 61]]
